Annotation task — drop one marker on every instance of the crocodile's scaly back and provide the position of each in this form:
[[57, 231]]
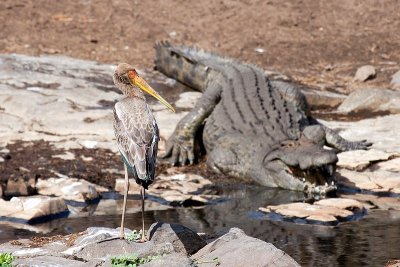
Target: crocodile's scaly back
[[248, 105]]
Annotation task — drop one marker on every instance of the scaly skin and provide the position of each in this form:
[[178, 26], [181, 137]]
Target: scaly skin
[[255, 129]]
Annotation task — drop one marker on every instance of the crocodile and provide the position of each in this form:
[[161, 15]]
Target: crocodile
[[254, 128]]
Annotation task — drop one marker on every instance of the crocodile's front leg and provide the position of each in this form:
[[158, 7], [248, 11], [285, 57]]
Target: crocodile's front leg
[[180, 146], [336, 141]]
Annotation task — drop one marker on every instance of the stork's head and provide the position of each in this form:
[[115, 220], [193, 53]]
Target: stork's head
[[131, 83]]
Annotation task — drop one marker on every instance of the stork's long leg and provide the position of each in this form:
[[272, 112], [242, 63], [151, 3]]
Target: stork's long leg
[[142, 193], [122, 232]]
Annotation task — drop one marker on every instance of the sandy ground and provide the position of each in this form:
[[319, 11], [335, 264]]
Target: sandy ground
[[317, 42]]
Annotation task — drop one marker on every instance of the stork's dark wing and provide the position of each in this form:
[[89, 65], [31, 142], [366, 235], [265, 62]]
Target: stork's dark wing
[[137, 136]]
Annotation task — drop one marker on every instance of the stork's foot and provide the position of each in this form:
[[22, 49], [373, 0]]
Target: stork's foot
[[143, 239], [121, 234]]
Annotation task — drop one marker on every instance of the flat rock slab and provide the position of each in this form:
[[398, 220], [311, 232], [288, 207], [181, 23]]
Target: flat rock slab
[[378, 181], [381, 131], [61, 99], [325, 212], [32, 209], [361, 159], [236, 249], [376, 202]]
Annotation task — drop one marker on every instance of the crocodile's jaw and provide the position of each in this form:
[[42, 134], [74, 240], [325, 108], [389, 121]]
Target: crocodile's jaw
[[317, 180]]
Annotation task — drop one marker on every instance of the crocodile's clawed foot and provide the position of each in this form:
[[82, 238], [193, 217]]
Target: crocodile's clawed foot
[[360, 145], [179, 151]]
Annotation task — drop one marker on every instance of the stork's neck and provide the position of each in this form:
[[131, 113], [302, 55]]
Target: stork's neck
[[132, 91]]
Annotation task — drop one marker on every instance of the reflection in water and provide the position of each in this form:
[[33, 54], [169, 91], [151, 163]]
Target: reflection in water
[[368, 242]]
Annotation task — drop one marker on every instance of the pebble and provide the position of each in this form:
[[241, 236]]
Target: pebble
[[395, 82], [365, 73]]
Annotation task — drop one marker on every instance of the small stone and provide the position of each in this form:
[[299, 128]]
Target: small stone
[[172, 34], [20, 187], [66, 156], [365, 73], [259, 50], [395, 82]]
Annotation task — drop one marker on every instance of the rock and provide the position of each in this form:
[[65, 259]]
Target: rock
[[96, 246], [392, 165], [378, 181], [32, 209], [188, 99], [48, 261], [328, 211], [20, 187], [393, 263], [395, 82], [341, 203], [237, 249], [376, 202], [317, 98], [365, 73], [134, 188], [66, 156], [184, 240], [374, 130], [30, 87], [71, 189], [175, 259], [182, 189], [371, 100], [361, 159]]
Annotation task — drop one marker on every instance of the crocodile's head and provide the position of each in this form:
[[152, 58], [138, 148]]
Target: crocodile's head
[[302, 166]]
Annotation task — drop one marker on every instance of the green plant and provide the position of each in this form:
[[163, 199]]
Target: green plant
[[134, 236], [131, 260], [6, 259]]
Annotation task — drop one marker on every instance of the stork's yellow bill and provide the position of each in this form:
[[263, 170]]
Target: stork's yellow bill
[[137, 80]]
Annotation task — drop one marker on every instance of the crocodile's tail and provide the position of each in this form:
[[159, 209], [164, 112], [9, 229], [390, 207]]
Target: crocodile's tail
[[189, 65]]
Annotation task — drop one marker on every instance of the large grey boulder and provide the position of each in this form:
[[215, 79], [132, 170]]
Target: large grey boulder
[[371, 100], [184, 240], [236, 249]]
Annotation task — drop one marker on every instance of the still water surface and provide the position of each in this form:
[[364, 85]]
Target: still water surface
[[371, 241]]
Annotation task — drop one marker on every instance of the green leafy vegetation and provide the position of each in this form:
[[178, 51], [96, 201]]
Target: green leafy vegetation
[[6, 259], [134, 236], [131, 260]]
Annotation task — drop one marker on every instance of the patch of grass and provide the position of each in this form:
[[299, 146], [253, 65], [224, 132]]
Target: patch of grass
[[6, 259], [134, 236], [131, 260]]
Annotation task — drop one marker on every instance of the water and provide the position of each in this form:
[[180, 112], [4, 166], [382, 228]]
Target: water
[[371, 241]]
